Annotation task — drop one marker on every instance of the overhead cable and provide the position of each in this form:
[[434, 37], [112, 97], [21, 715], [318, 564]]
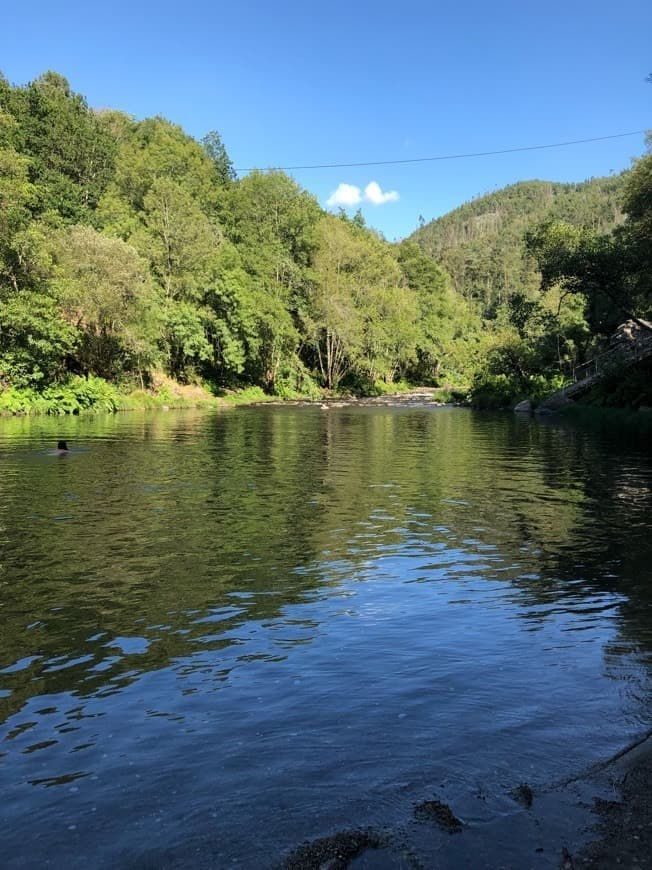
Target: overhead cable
[[444, 156]]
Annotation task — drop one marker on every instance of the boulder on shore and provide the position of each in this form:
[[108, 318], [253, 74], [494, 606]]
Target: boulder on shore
[[554, 403]]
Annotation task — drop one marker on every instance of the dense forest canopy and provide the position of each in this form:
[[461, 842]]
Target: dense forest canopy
[[127, 248]]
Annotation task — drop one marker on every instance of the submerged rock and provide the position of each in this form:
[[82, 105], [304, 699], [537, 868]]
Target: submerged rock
[[441, 813], [332, 853], [566, 862], [523, 794]]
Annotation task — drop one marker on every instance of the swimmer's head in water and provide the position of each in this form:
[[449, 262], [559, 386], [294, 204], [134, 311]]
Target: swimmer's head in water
[[61, 445]]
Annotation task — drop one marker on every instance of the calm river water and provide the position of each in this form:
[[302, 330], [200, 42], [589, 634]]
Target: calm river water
[[222, 634]]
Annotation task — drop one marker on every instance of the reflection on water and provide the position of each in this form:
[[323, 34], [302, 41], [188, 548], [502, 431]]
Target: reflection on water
[[284, 622]]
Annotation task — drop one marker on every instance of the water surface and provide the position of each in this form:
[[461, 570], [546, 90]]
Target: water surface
[[224, 633]]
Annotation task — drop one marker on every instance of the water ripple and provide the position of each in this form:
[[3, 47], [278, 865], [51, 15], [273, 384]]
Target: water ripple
[[332, 615]]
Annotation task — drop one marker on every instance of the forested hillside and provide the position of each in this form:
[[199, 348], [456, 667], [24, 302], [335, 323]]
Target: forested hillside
[[550, 270], [130, 254], [127, 248], [481, 244]]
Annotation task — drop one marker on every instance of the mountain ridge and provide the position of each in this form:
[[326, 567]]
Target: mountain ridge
[[481, 243]]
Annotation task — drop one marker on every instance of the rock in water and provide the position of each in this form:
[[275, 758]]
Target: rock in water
[[436, 811]]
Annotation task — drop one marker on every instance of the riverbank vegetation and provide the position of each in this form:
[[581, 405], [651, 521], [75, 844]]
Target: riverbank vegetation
[[133, 258], [552, 270]]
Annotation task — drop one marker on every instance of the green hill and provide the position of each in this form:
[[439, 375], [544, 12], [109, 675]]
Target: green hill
[[481, 246]]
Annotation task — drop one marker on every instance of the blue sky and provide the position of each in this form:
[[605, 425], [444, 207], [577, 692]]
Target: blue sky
[[289, 83]]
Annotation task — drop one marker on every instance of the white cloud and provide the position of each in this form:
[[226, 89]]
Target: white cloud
[[346, 195], [374, 194]]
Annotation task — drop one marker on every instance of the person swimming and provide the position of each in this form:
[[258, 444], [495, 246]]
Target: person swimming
[[62, 447]]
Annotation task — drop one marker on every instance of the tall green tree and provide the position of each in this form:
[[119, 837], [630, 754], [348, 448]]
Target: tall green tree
[[36, 341], [156, 149], [438, 309], [335, 324], [71, 154], [216, 150], [105, 293], [178, 239], [16, 196], [272, 223], [635, 237], [362, 317]]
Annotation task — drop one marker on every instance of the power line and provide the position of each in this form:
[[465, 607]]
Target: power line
[[446, 156]]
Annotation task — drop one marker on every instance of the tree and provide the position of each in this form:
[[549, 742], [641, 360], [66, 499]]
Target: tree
[[16, 197], [104, 291], [334, 323], [437, 308], [581, 261], [388, 308], [635, 236], [233, 321], [177, 238], [35, 340], [392, 331], [272, 223], [71, 153], [156, 150], [214, 148], [360, 316], [185, 339]]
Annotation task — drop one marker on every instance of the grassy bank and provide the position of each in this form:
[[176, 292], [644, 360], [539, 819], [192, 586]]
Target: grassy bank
[[80, 395], [90, 395]]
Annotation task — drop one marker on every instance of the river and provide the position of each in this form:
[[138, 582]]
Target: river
[[225, 633]]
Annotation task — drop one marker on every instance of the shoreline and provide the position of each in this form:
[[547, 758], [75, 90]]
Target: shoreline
[[178, 397], [607, 811], [623, 829], [416, 397]]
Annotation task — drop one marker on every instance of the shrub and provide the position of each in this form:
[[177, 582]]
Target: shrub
[[494, 391], [80, 395], [295, 382]]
